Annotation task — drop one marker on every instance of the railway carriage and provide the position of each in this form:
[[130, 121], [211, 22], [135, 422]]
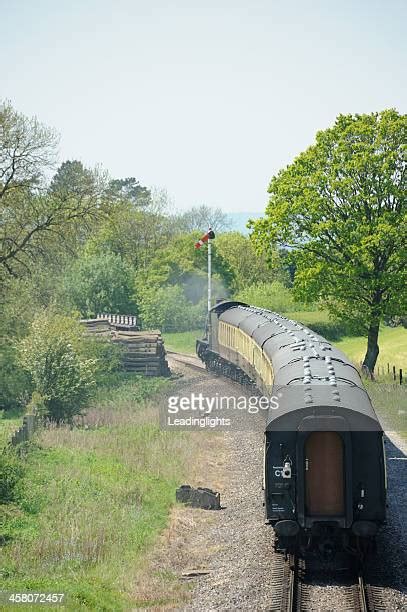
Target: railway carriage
[[324, 464]]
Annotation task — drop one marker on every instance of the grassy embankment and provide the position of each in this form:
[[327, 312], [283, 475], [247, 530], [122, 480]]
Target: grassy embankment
[[182, 342], [393, 348], [92, 499]]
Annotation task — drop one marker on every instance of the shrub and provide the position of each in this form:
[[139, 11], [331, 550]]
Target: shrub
[[100, 283], [51, 353], [274, 296], [395, 321], [168, 309], [15, 384], [106, 354], [11, 471], [332, 330]]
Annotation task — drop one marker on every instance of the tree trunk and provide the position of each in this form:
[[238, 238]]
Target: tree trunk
[[372, 352]]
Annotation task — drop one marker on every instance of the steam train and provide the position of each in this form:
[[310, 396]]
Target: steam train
[[324, 462]]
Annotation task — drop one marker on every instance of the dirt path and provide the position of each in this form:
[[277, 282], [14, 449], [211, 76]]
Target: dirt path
[[239, 542]]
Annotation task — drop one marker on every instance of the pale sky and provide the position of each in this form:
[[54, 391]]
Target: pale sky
[[207, 99]]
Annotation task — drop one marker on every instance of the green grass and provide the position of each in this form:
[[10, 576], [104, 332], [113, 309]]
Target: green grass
[[388, 397], [308, 317], [92, 500], [392, 343], [182, 342], [390, 402]]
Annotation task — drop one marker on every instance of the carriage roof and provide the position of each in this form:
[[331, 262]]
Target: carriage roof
[[310, 375]]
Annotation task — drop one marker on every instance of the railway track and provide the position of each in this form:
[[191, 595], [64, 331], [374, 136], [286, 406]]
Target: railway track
[[364, 597], [290, 590], [291, 593], [287, 592], [188, 360]]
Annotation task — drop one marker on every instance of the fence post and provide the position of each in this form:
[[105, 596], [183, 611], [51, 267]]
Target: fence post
[[388, 368], [30, 424], [25, 431], [394, 372], [401, 376]]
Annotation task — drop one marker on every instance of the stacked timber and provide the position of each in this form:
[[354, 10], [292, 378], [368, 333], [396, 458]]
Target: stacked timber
[[143, 352], [100, 327]]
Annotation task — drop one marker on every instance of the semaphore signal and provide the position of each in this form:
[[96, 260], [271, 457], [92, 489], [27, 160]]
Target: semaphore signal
[[210, 235]]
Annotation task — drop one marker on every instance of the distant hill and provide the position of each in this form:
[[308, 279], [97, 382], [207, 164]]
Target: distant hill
[[238, 220]]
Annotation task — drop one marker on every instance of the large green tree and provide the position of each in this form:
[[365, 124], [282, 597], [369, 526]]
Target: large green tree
[[129, 190], [27, 152], [179, 263], [100, 283], [134, 234], [249, 267], [340, 208], [35, 219]]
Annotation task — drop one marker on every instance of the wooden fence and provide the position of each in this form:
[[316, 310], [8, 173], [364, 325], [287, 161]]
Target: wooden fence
[[391, 372], [26, 431], [129, 321]]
